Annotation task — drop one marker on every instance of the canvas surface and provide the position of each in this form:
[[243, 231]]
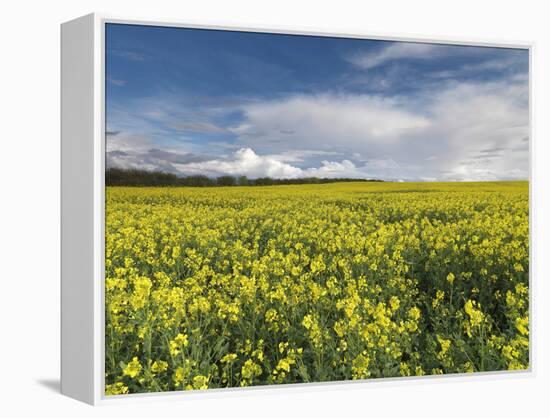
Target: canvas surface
[[287, 209]]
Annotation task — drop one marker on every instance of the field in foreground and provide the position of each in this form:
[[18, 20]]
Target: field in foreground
[[239, 286]]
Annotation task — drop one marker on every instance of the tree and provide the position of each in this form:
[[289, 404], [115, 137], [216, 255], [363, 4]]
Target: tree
[[196, 181], [263, 181], [226, 181], [143, 178]]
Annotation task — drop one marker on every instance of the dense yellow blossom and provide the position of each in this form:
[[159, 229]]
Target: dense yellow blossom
[[238, 286]]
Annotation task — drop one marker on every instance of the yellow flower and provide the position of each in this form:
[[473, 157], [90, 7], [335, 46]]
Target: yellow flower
[[118, 388], [404, 369], [271, 315], [339, 328], [450, 278], [468, 367], [142, 288], [518, 267], [249, 371], [200, 382], [159, 366], [360, 366], [522, 325], [229, 358], [315, 333], [178, 343], [476, 316], [179, 376], [284, 364], [133, 368], [414, 313], [440, 294], [445, 345], [394, 303]]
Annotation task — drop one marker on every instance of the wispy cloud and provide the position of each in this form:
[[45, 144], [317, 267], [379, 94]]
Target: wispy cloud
[[200, 127], [301, 155], [395, 51], [132, 151], [425, 135], [463, 131], [512, 63], [327, 120], [130, 55], [116, 82]]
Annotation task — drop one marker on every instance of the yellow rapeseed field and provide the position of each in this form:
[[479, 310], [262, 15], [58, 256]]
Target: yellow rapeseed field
[[237, 286]]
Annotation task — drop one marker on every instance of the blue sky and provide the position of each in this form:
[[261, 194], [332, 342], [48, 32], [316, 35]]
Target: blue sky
[[191, 101]]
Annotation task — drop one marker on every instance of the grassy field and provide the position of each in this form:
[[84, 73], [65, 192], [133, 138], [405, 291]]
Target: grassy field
[[238, 286]]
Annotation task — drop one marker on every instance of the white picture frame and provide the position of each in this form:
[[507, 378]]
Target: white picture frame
[[83, 208]]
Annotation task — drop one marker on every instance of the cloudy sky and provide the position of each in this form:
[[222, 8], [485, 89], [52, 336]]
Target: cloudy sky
[[190, 101]]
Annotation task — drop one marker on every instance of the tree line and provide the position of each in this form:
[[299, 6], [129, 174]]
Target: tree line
[[143, 178]]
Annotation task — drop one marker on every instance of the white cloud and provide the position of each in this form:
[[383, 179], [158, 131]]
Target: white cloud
[[395, 51], [127, 142], [473, 119], [246, 162], [368, 59], [298, 156], [130, 151], [439, 134], [243, 162], [387, 169], [327, 120]]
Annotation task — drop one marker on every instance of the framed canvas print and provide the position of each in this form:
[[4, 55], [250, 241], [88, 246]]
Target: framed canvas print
[[254, 208]]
